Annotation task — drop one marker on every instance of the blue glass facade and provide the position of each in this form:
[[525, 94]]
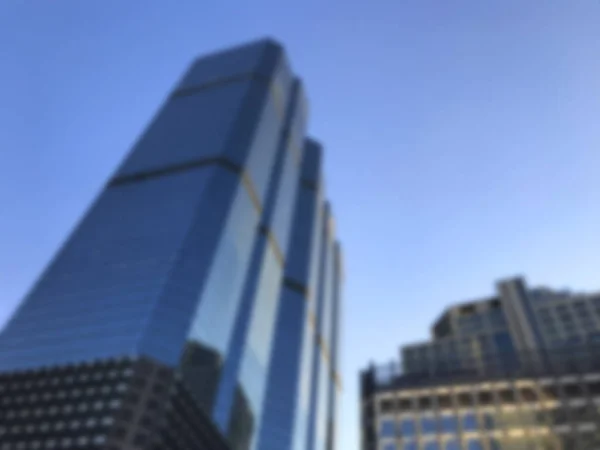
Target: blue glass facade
[[211, 250]]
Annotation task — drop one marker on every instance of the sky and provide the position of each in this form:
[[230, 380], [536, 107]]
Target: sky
[[462, 139]]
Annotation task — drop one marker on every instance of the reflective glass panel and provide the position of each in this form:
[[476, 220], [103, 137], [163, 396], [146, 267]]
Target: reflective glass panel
[[408, 427], [470, 422], [474, 444], [449, 424], [433, 445], [428, 425], [387, 428], [452, 444]]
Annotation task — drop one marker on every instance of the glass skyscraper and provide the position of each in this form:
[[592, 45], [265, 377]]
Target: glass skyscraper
[[210, 253], [516, 370]]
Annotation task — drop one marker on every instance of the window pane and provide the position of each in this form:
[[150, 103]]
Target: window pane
[[465, 399], [410, 446], [474, 444], [408, 428], [449, 424], [452, 445], [489, 421], [485, 398], [495, 444], [390, 446], [428, 425], [469, 422], [432, 446], [387, 428]]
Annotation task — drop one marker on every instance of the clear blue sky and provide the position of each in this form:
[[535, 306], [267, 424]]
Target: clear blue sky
[[463, 138]]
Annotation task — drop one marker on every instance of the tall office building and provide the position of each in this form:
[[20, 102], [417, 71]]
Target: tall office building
[[517, 370], [196, 304]]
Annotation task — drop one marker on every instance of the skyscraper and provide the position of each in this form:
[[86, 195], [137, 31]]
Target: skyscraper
[[519, 369], [209, 261]]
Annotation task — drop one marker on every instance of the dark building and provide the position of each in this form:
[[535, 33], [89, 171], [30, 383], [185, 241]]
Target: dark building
[[516, 370], [197, 301]]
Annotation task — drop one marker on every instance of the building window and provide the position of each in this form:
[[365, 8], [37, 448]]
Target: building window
[[594, 388], [465, 399], [408, 428], [432, 445], [387, 428], [449, 424], [425, 403], [528, 394], [444, 401], [470, 422], [428, 425], [572, 390], [410, 446], [474, 444], [405, 404], [507, 396], [452, 445], [485, 398], [390, 446], [489, 421], [558, 416], [386, 406], [550, 393]]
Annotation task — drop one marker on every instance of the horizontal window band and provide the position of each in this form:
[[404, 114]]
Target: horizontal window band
[[309, 184], [184, 92], [173, 169], [192, 165], [296, 286]]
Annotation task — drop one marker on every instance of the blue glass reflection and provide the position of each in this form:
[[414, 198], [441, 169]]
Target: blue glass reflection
[[408, 428], [474, 444], [188, 128], [506, 350], [105, 289], [432, 445], [410, 446], [387, 428], [390, 446], [428, 425], [470, 422], [452, 444], [449, 424]]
